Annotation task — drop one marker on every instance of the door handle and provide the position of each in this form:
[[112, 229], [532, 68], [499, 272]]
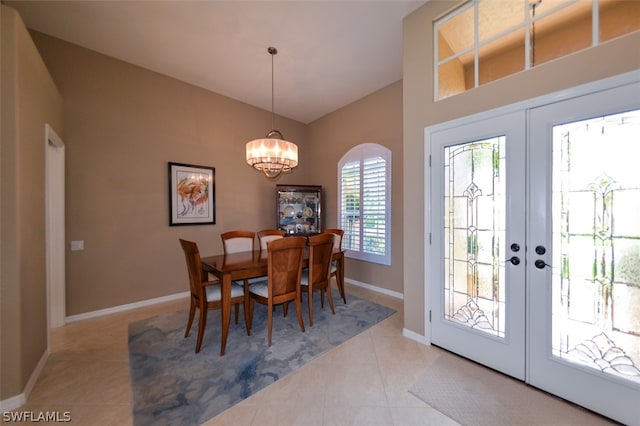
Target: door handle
[[540, 250], [515, 260], [540, 264], [515, 247]]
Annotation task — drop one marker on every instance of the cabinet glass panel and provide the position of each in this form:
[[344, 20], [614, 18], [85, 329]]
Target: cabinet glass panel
[[298, 209]]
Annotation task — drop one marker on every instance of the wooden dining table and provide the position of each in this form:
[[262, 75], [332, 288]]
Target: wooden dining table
[[249, 264]]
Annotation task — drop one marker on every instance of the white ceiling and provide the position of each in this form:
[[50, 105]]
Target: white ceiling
[[330, 53]]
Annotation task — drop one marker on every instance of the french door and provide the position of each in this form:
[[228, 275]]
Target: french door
[[535, 246], [478, 211]]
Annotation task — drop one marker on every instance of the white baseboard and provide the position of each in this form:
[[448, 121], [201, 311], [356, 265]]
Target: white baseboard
[[405, 332], [415, 336], [129, 306], [19, 400], [375, 288]]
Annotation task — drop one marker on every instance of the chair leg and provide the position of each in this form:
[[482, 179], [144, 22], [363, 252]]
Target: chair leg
[[237, 309], [250, 321], [322, 298], [310, 303], [285, 308], [201, 324], [340, 285], [192, 314], [299, 312], [246, 313], [269, 322], [330, 297]]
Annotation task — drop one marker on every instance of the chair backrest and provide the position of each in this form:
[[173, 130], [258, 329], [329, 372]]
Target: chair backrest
[[235, 241], [285, 266], [194, 267], [267, 235], [337, 237], [320, 253]]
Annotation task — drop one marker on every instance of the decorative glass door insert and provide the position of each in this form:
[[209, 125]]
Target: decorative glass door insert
[[474, 235], [596, 244]]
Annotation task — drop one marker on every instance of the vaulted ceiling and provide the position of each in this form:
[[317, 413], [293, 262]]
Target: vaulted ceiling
[[330, 53]]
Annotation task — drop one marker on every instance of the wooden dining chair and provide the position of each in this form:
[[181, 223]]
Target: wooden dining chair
[[318, 275], [207, 295], [267, 235], [282, 285], [337, 244], [235, 241]]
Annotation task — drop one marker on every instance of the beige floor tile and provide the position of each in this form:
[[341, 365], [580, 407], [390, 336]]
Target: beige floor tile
[[83, 382], [236, 416], [277, 414], [364, 381], [400, 350], [391, 326], [355, 385], [417, 416], [357, 416], [397, 380], [357, 350]]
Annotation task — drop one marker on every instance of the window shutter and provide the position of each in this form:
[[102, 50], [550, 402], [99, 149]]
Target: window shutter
[[364, 200], [350, 205], [374, 206]]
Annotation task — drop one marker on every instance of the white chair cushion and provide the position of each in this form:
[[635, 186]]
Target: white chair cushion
[[260, 289], [267, 238], [257, 280], [234, 245], [334, 266], [214, 292], [304, 279]]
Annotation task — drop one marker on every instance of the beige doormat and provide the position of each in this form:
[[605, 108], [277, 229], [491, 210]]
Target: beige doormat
[[475, 395]]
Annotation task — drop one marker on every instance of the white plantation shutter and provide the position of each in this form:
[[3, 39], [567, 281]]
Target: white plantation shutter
[[364, 203], [350, 205]]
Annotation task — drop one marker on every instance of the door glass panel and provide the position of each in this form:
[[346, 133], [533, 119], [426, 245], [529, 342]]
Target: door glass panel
[[596, 244], [474, 234]]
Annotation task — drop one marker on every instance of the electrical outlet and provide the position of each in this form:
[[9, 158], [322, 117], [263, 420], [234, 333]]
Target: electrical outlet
[[77, 245]]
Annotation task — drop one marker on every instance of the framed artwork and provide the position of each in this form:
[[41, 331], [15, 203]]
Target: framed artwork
[[191, 195]]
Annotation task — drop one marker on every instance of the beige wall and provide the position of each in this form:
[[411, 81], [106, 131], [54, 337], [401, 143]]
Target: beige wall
[[375, 118], [420, 111], [29, 100], [123, 124]]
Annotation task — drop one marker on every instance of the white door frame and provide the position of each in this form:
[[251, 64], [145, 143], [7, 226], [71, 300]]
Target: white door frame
[[55, 227]]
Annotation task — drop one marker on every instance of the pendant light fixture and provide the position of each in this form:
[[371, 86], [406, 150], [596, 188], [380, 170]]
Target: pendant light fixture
[[272, 155]]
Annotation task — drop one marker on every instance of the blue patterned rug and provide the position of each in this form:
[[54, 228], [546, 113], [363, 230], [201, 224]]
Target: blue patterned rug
[[172, 385]]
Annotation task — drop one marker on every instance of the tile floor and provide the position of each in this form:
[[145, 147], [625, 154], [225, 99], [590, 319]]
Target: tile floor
[[364, 381]]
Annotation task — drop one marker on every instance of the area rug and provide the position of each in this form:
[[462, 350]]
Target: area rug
[[475, 395], [172, 385]]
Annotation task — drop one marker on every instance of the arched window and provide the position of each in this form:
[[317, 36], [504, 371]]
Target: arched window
[[364, 203]]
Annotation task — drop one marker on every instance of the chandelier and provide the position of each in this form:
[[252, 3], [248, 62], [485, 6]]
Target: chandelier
[[272, 155]]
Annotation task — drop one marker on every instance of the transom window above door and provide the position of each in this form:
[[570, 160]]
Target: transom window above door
[[484, 40]]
